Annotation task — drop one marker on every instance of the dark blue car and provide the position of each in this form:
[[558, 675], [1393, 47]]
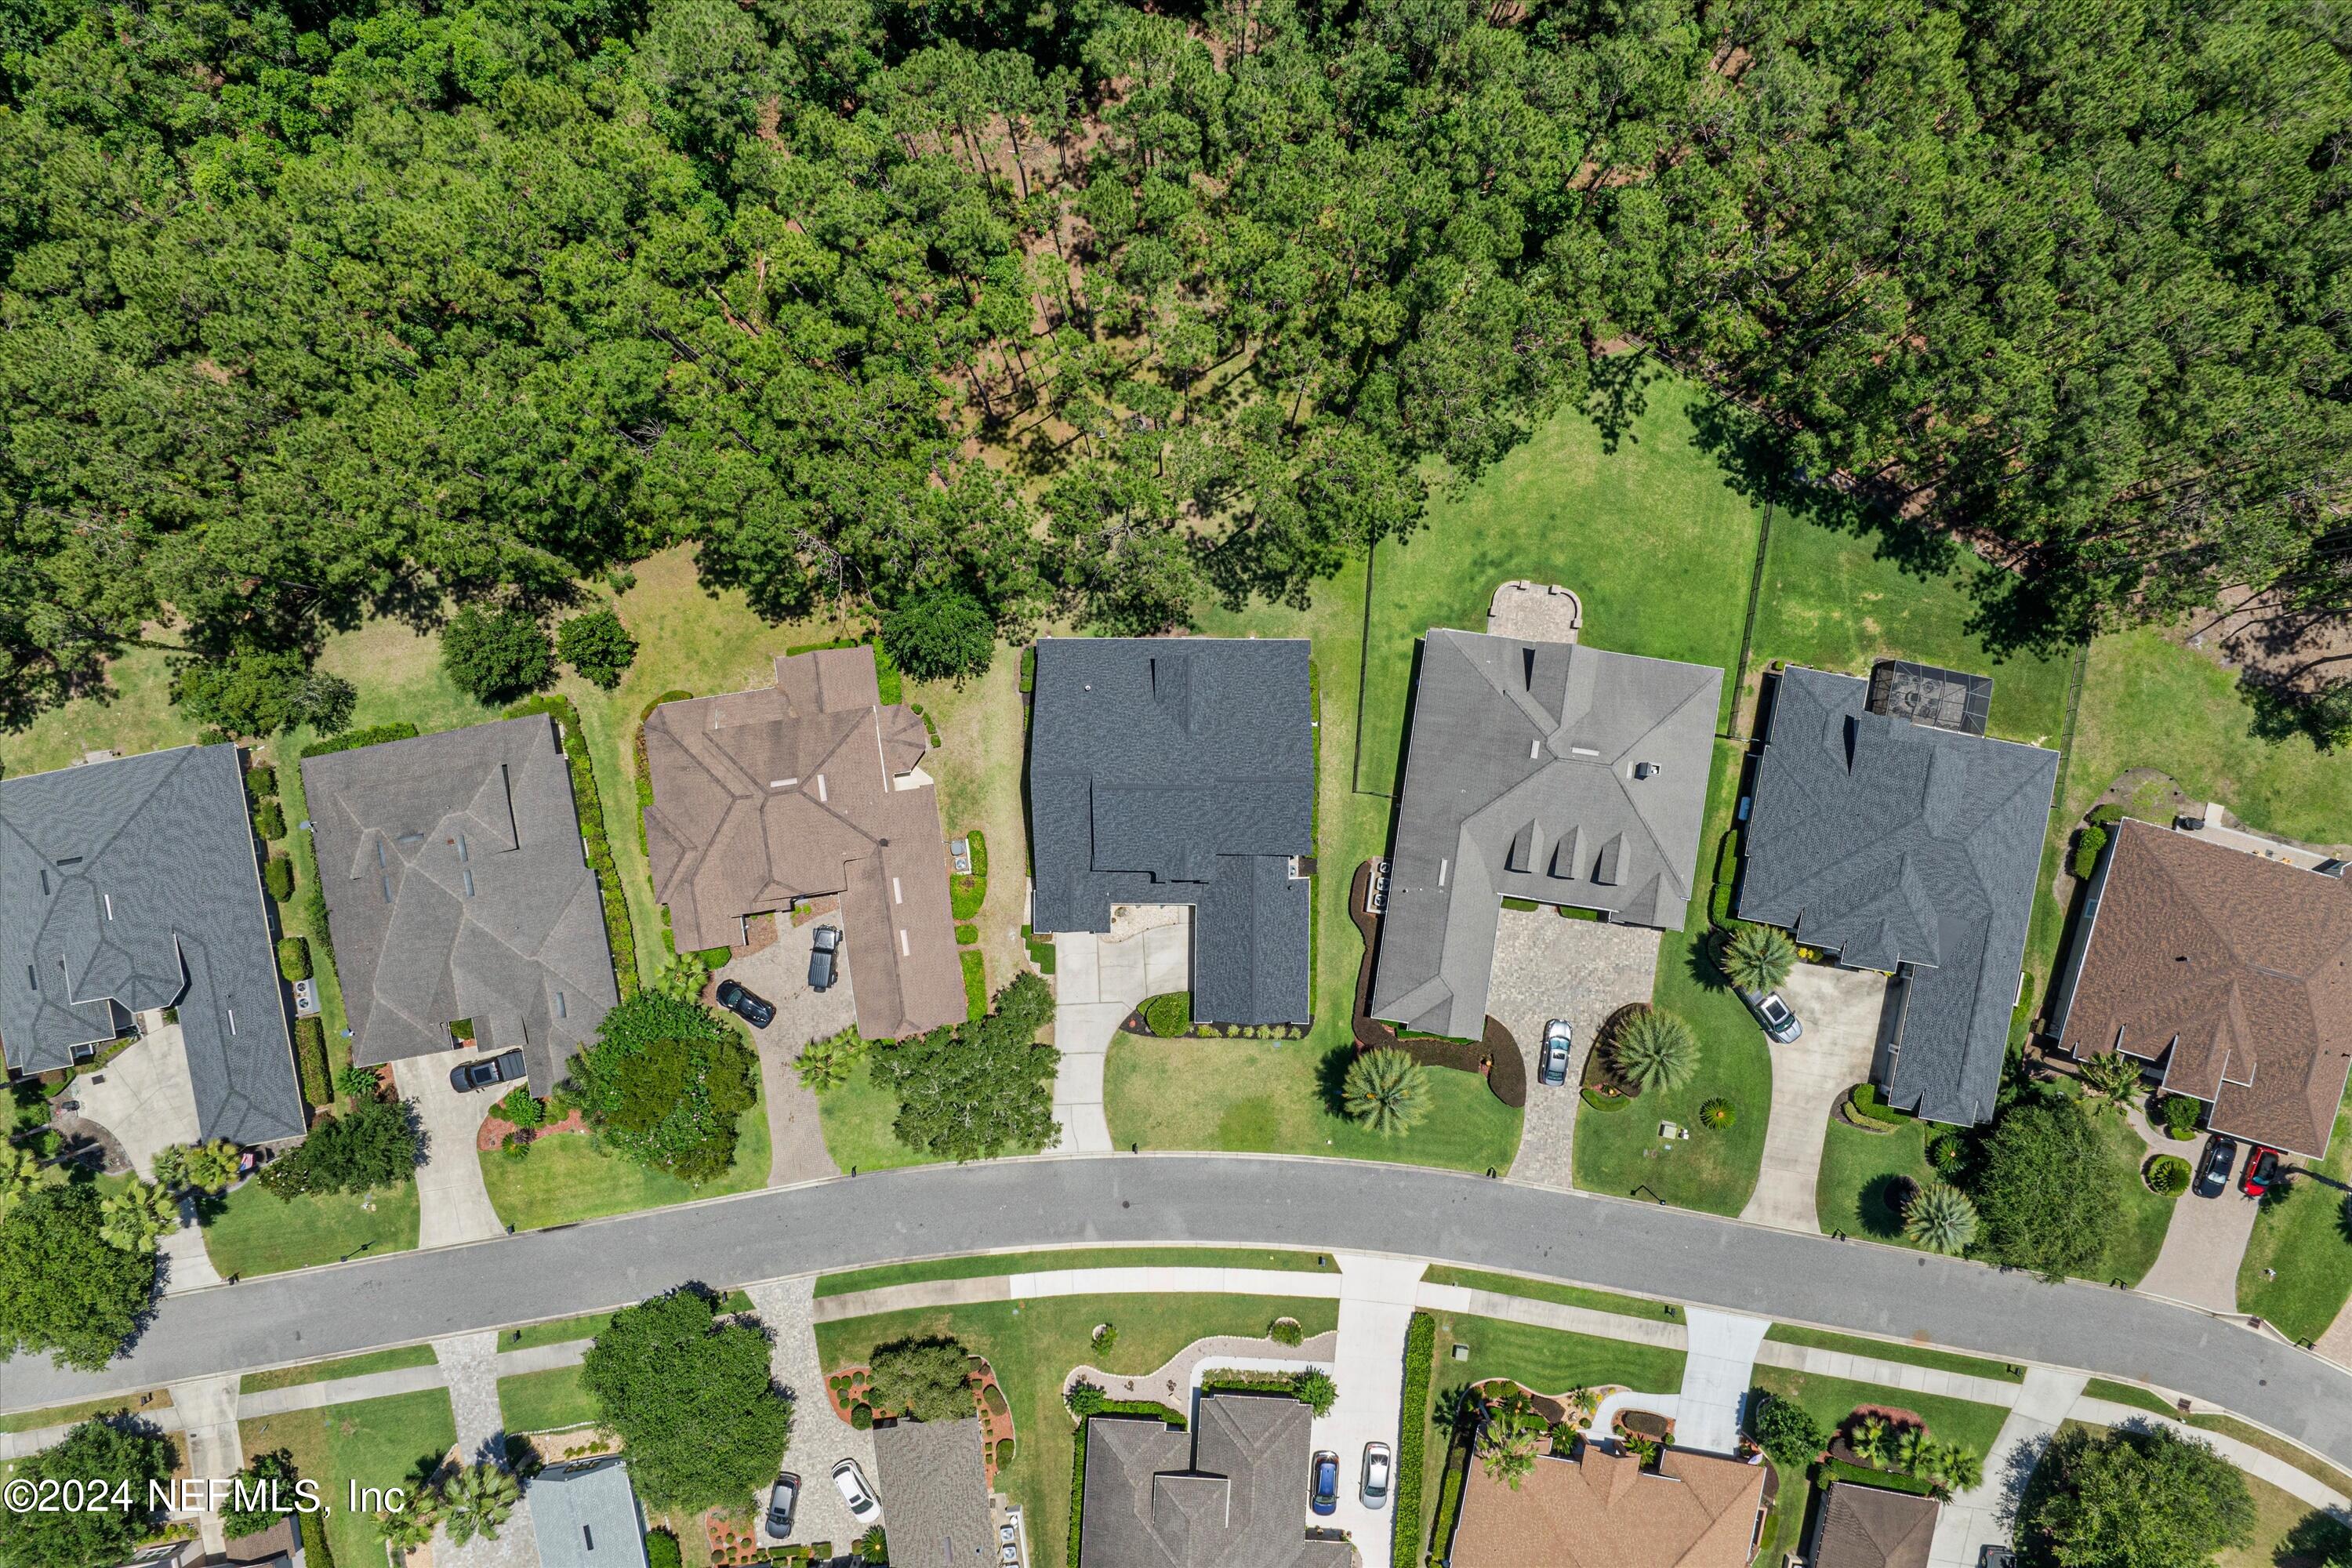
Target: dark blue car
[[1327, 1482]]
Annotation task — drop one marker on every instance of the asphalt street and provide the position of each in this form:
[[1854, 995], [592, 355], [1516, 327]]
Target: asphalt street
[[1325, 1205]]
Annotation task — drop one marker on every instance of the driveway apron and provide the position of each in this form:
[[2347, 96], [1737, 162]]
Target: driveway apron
[[1098, 981], [453, 1205], [2202, 1248], [207, 1411], [1839, 1009], [1376, 1301], [820, 1438], [1985, 1514]]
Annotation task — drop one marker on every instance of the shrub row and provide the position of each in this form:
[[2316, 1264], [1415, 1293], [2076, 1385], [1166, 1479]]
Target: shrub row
[[1524, 906], [975, 983], [1419, 1349], [661, 1550], [351, 740], [2087, 847], [311, 1062], [590, 807], [270, 820], [1863, 1475], [261, 781], [637, 749], [967, 894], [293, 958], [278, 876]]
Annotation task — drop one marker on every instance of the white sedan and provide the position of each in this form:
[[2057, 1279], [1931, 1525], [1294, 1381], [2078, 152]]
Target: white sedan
[[863, 1508], [1375, 1488]]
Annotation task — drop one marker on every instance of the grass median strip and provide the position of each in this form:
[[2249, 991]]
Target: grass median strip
[[1895, 1351], [546, 1401], [344, 1366]]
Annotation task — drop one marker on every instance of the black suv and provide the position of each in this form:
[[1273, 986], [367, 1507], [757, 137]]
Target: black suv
[[504, 1067], [822, 963]]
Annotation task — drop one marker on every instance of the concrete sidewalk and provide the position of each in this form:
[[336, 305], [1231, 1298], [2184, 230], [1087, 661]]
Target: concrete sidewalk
[[2254, 1461], [1984, 1515]]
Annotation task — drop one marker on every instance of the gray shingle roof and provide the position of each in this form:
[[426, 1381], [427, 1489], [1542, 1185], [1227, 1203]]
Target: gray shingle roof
[[135, 884], [1181, 770], [457, 888], [585, 1515], [934, 1491], [1521, 783], [1232, 1494], [1909, 850]]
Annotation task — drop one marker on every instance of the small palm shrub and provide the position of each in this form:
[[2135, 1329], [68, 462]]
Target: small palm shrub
[[1653, 1049], [2166, 1175], [1718, 1114], [1758, 958], [1386, 1091], [1941, 1218], [476, 1500], [2111, 1074], [1170, 1015]]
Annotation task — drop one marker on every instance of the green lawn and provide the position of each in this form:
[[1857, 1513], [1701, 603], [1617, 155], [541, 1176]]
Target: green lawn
[[1656, 542], [1859, 1172], [992, 1265], [1269, 1096], [1830, 1399], [1619, 1151], [1549, 1290], [1889, 1349], [254, 1233], [1840, 601], [568, 1178], [2136, 1232], [562, 1331], [545, 1401], [1033, 1344], [2284, 1526], [2307, 1240], [856, 1119], [147, 1404], [373, 1443], [327, 1371], [2129, 1394]]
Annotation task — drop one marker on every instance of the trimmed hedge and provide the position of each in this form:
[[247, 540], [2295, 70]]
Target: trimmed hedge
[[966, 894], [967, 935], [270, 820], [1419, 1349], [311, 1063], [2088, 847], [1863, 1475], [1078, 1488], [293, 958], [1599, 1102], [589, 806], [1169, 1014], [314, 910], [975, 983], [1866, 1102], [261, 781], [2106, 815], [1726, 871], [1524, 906], [661, 1550], [350, 739], [2178, 1113], [278, 876], [993, 1397]]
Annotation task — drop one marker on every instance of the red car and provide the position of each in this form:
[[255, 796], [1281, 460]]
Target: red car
[[2262, 1169]]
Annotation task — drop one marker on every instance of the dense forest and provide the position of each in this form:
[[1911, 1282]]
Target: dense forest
[[322, 308]]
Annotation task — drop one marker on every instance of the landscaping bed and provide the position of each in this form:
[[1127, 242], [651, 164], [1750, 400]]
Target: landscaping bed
[[1494, 1057]]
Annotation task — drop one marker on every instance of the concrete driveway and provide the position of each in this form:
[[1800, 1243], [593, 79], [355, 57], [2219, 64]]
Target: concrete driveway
[[454, 1205], [1839, 1009], [1098, 979], [143, 1096], [1549, 967], [779, 974], [2202, 1248]]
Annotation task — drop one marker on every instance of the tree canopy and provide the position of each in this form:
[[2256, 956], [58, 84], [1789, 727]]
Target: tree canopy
[[664, 1082], [2132, 1499], [691, 1401], [980, 1089], [123, 1455], [2044, 1199], [325, 311], [64, 1288]]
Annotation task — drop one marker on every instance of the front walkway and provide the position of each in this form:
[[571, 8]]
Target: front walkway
[[145, 1095], [184, 1263], [206, 1407], [1839, 1009], [1099, 980], [1546, 967], [820, 1438], [2202, 1248], [468, 1364], [1984, 1515], [453, 1205]]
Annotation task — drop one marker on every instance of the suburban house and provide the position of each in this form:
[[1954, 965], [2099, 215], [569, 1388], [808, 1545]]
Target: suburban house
[[934, 1490], [587, 1516], [131, 886], [1182, 770], [1872, 1527], [1545, 771], [1231, 1493], [1603, 1510], [458, 888], [1893, 842], [2227, 973], [806, 789]]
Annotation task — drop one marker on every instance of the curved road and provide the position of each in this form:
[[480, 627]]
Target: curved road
[[1325, 1204]]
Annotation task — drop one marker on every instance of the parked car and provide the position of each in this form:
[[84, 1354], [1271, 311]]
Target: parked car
[[1327, 1482], [821, 959], [506, 1067], [2213, 1171], [855, 1492], [752, 1010], [2262, 1169], [1552, 1062], [1780, 1025], [781, 1500], [1375, 1488]]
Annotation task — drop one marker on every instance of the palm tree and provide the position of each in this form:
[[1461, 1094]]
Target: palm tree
[[1941, 1219], [1386, 1091], [476, 1500], [21, 1171], [1759, 958], [1871, 1440], [1913, 1447], [2112, 1074], [133, 1218], [411, 1525], [1655, 1049], [1952, 1467]]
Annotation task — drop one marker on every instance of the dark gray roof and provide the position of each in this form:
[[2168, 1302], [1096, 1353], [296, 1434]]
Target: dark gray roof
[[1231, 1495], [457, 888], [1181, 770], [585, 1515], [131, 885], [1554, 771], [1909, 850], [934, 1491]]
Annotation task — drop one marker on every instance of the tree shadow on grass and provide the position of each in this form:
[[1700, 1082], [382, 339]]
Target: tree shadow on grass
[[1880, 1218], [1331, 1078]]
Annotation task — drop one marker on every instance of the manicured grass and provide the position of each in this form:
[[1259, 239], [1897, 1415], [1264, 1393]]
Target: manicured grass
[[2129, 1394], [2282, 1523], [1033, 1344], [856, 1121], [133, 714], [1550, 1290], [1783, 1530], [545, 1401], [2278, 1447], [1651, 537], [67, 1415], [1890, 1350], [563, 1330], [1830, 1399], [988, 1266], [1271, 1096], [1841, 601], [254, 1233], [2139, 1218], [1860, 1170], [373, 1443], [975, 983], [2307, 1239], [327, 1371], [568, 1178], [1620, 1152]]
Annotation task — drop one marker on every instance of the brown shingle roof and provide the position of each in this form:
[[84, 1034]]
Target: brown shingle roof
[[2240, 966], [792, 790], [1870, 1527], [1603, 1510]]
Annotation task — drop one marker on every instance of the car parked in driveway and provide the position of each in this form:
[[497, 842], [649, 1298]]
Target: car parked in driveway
[[753, 1010], [781, 1498], [506, 1067], [822, 964], [1326, 1496], [2262, 1169], [851, 1482], [1551, 1062], [1780, 1025], [1374, 1488], [2214, 1170]]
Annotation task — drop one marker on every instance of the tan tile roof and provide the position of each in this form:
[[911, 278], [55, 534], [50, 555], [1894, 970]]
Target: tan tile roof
[[2240, 966], [1871, 1527], [1603, 1511], [790, 792]]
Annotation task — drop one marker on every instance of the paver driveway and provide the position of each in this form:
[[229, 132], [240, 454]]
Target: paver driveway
[[1549, 967], [2202, 1249], [1839, 1008], [778, 973]]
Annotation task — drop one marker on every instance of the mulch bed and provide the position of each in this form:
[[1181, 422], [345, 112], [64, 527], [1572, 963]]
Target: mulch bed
[[847, 1388], [495, 1128], [1495, 1054], [1133, 1024]]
